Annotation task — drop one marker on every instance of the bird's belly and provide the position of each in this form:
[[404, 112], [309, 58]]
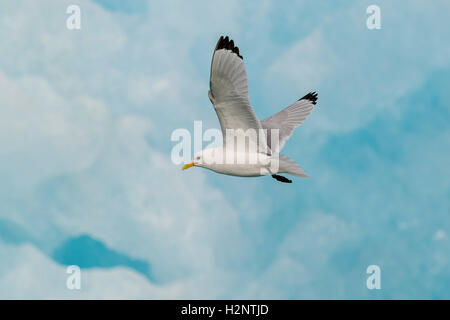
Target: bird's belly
[[241, 170]]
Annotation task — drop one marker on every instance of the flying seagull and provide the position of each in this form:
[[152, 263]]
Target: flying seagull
[[229, 96]]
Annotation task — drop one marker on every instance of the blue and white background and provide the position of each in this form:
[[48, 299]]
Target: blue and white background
[[86, 176]]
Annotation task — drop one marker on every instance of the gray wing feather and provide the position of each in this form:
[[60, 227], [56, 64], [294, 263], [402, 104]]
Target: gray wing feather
[[287, 120], [229, 92]]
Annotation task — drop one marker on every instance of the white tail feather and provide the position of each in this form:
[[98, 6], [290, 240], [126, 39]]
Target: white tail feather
[[287, 165]]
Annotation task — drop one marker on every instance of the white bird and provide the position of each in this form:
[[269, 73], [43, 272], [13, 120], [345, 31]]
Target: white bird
[[229, 95]]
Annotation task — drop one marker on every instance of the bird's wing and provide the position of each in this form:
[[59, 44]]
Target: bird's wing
[[229, 93], [287, 120]]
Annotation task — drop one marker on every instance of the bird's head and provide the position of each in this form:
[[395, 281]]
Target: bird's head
[[204, 158], [196, 161]]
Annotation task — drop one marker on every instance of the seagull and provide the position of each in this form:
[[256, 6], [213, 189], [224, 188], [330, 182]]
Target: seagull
[[230, 97]]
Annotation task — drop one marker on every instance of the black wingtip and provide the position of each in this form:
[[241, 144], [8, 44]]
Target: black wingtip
[[228, 44], [281, 178], [312, 96]]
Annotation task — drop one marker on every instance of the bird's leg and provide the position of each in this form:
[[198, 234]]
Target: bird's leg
[[281, 178]]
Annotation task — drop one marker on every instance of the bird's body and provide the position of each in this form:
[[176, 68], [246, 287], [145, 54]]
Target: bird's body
[[241, 170], [251, 147], [241, 164]]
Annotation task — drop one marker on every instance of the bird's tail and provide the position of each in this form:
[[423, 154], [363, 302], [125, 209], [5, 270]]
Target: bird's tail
[[287, 165]]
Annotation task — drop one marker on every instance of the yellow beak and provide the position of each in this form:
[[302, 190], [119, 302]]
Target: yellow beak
[[187, 166]]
